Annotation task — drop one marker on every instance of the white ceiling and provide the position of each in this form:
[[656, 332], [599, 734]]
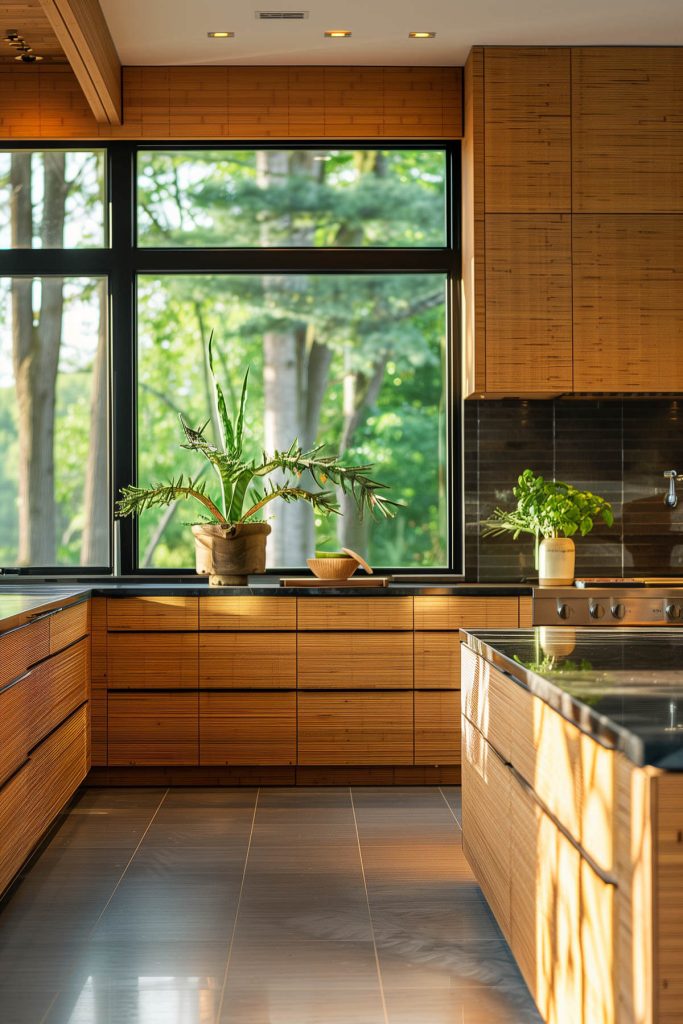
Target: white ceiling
[[174, 31]]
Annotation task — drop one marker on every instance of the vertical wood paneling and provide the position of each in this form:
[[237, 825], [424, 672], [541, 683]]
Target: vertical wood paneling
[[527, 129], [627, 129], [528, 304], [98, 680], [473, 290]]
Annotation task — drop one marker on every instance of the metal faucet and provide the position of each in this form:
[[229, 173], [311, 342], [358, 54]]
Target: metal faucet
[[671, 498]]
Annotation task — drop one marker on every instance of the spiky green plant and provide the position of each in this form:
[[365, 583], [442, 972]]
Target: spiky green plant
[[245, 489]]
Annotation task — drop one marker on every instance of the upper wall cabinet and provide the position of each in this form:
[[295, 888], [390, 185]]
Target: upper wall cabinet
[[627, 129], [527, 130]]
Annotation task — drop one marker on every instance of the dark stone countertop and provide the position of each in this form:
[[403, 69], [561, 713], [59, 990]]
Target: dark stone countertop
[[624, 687]]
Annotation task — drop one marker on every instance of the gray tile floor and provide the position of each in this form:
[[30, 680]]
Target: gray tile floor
[[276, 906]]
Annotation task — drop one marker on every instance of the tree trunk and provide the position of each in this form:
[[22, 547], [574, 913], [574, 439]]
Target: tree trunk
[[95, 543], [35, 351]]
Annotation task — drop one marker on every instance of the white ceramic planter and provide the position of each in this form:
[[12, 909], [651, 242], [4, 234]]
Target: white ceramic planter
[[556, 559]]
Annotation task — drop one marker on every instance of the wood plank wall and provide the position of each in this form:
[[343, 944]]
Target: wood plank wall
[[422, 103]]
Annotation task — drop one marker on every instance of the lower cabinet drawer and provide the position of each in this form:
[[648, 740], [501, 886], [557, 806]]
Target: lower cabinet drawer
[[437, 727], [152, 661], [247, 728], [369, 661], [247, 661], [57, 687], [347, 728], [69, 625], [23, 647], [15, 727], [16, 826], [153, 728], [437, 661]]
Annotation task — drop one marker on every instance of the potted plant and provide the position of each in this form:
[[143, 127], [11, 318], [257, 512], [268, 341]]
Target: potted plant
[[230, 538], [554, 511]]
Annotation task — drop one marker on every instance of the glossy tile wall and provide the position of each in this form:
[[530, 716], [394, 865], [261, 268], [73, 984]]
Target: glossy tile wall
[[616, 448]]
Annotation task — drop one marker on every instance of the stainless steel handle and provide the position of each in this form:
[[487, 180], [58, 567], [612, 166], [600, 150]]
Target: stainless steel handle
[[671, 498]]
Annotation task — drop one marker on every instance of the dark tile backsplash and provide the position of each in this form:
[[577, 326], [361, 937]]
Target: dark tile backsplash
[[616, 448]]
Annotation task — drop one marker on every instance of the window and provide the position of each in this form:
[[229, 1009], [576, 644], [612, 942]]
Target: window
[[54, 355]]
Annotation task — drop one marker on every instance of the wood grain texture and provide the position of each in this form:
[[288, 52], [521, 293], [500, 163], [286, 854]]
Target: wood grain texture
[[473, 290], [23, 647], [30, 21], [340, 728], [437, 661], [84, 36], [98, 680], [137, 614], [628, 302], [58, 766], [251, 613], [278, 775], [444, 613], [437, 727], [669, 902], [153, 728], [486, 702], [627, 129], [335, 613], [247, 661], [247, 729], [526, 608], [152, 661], [528, 304], [17, 826], [240, 103], [69, 625], [57, 687], [15, 727], [347, 661], [527, 129]]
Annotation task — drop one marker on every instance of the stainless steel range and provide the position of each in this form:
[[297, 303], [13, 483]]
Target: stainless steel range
[[600, 602]]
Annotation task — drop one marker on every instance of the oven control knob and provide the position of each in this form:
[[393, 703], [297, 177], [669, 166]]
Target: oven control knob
[[673, 611], [596, 610], [563, 610], [618, 611]]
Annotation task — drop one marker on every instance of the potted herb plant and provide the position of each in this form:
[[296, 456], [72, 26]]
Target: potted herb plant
[[554, 511], [230, 538]]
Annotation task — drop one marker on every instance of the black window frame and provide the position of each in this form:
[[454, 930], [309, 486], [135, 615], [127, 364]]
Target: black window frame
[[123, 261]]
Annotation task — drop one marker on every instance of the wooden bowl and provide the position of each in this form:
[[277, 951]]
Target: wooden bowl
[[332, 568]]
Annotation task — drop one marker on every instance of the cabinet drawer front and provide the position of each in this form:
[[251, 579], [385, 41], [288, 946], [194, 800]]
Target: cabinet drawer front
[[355, 728], [69, 625], [247, 728], [154, 613], [465, 612], [370, 661], [491, 701], [333, 613], [247, 661], [58, 766], [152, 661], [437, 661], [153, 728], [58, 687], [15, 728], [17, 826], [437, 727], [250, 613], [23, 647]]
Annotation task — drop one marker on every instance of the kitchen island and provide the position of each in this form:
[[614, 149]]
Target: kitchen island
[[572, 774]]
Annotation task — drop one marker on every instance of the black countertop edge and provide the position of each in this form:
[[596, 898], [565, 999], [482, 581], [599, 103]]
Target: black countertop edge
[[599, 727]]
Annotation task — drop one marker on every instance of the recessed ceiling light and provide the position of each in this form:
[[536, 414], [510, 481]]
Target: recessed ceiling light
[[220, 35], [421, 35], [338, 33]]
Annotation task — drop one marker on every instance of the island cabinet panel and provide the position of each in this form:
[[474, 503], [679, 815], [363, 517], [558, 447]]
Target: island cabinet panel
[[527, 129], [17, 827], [486, 702], [153, 728], [339, 728], [58, 766], [628, 302], [453, 613], [669, 902], [152, 661], [247, 728], [57, 687], [249, 613], [528, 304], [627, 130], [137, 614], [247, 661], [22, 647], [437, 661], [335, 613], [437, 727], [346, 661], [15, 726], [69, 625]]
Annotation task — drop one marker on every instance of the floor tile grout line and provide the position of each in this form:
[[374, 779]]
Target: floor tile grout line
[[237, 908], [93, 929], [457, 820], [367, 900]]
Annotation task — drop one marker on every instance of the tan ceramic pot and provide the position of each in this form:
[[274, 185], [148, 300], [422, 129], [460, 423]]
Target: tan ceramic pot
[[229, 554], [556, 559]]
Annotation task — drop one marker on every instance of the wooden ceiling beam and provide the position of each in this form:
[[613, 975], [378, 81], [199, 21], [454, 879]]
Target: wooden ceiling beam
[[81, 29]]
